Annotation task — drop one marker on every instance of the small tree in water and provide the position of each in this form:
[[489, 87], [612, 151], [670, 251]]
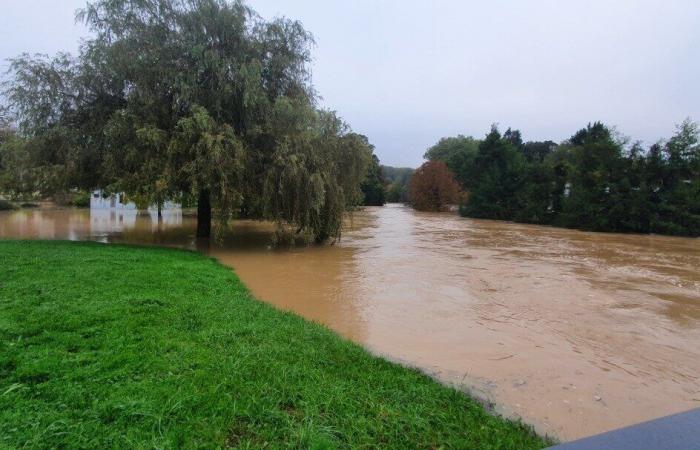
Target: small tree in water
[[433, 187]]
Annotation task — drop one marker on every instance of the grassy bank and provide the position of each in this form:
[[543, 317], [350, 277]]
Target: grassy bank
[[121, 347]]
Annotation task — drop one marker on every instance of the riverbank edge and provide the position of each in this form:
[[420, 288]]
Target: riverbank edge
[[419, 403], [478, 390]]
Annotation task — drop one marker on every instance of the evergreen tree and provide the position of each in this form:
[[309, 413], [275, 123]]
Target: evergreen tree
[[499, 173], [593, 181]]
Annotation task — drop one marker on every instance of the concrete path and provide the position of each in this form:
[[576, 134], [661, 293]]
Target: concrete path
[[677, 432]]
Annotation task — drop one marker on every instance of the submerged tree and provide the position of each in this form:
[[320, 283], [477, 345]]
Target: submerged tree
[[433, 187], [203, 99]]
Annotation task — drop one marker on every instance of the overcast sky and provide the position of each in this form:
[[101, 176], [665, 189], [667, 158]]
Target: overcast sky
[[406, 73]]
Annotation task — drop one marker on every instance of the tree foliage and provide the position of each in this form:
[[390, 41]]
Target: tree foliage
[[594, 181], [497, 175], [433, 187], [397, 182], [202, 99], [458, 153], [374, 185]]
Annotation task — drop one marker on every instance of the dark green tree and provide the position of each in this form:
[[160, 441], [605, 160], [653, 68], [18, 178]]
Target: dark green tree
[[459, 154], [536, 152], [373, 187], [595, 182], [677, 182], [499, 173]]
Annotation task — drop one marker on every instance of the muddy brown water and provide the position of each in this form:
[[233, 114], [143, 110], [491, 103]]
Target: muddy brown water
[[576, 333]]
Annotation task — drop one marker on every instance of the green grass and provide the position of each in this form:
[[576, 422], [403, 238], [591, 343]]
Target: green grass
[[123, 347]]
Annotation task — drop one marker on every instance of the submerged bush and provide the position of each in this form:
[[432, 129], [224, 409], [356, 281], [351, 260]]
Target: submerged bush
[[81, 200], [6, 206]]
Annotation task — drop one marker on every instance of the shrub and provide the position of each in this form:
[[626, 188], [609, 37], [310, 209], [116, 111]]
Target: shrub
[[6, 205], [81, 200]]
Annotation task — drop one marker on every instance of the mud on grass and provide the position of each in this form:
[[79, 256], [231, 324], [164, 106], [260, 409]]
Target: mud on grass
[[124, 347]]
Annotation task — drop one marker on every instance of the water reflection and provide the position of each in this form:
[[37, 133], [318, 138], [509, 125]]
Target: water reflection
[[575, 332], [77, 224]]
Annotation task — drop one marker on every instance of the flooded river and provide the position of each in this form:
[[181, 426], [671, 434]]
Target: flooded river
[[575, 332]]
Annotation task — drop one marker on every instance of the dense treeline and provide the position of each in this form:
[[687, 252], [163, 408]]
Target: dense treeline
[[172, 99], [397, 182], [593, 181]]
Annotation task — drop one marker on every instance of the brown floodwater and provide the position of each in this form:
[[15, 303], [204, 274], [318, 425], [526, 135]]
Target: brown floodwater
[[574, 332]]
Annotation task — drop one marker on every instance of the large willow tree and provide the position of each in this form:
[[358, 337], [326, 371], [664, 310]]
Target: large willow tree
[[201, 98]]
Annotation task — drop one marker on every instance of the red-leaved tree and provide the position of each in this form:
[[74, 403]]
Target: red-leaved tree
[[433, 187]]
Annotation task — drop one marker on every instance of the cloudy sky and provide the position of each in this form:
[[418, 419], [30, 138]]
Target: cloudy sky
[[406, 73]]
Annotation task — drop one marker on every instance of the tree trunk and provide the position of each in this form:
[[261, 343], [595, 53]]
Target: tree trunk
[[204, 214], [160, 213]]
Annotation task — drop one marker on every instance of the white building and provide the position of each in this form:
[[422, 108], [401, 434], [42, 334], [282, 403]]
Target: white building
[[109, 215], [115, 201]]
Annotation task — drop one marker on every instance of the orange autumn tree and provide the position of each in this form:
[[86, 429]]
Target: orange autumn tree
[[433, 187]]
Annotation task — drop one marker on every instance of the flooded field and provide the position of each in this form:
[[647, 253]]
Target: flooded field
[[577, 333]]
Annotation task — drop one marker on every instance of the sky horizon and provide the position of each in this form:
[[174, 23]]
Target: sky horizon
[[408, 73]]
